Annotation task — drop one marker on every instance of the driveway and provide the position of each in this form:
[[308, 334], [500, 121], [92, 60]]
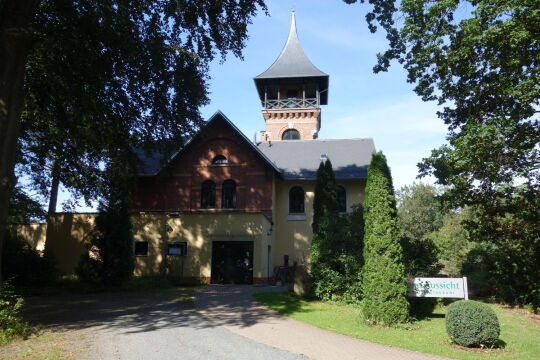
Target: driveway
[[234, 308], [131, 326]]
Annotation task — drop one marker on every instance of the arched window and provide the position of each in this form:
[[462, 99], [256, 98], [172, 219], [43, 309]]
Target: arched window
[[228, 195], [342, 198], [220, 160], [291, 134], [208, 195], [296, 200]]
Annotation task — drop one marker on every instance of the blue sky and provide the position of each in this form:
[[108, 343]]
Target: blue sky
[[361, 104]]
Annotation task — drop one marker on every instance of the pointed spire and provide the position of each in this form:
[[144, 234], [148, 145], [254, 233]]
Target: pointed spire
[[292, 61]]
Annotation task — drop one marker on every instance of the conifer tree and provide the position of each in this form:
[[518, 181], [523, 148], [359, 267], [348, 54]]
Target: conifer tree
[[383, 275], [336, 254]]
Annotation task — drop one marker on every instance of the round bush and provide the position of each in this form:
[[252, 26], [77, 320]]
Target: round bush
[[472, 323]]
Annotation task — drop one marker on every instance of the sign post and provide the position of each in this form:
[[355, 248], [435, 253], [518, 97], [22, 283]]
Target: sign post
[[438, 287]]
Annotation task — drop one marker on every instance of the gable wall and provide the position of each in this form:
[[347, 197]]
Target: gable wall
[[178, 188]]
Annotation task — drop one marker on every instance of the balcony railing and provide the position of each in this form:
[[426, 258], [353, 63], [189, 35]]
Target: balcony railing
[[292, 103]]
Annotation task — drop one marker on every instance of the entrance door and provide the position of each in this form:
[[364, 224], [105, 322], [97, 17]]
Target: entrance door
[[232, 262]]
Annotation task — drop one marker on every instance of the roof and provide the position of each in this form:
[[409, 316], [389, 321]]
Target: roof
[[151, 163], [292, 62], [300, 159]]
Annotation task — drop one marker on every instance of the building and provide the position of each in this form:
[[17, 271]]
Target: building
[[225, 208]]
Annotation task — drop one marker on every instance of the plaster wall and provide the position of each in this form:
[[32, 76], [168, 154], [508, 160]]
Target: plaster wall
[[293, 232]]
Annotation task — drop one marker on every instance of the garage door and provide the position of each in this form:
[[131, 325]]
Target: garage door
[[232, 262]]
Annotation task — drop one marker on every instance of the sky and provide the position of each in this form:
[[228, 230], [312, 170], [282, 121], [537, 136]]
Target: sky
[[361, 104]]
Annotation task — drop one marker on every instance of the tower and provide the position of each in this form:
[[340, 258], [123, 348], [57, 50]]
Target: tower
[[292, 91]]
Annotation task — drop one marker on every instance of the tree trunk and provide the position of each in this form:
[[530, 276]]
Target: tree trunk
[[55, 184], [15, 44]]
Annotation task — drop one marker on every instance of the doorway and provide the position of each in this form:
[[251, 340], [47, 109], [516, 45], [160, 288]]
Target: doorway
[[232, 262]]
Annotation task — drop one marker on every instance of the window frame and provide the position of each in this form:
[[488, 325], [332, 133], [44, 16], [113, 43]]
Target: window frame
[[184, 251], [291, 131], [234, 194], [220, 160], [303, 204], [338, 188], [135, 248], [211, 187]]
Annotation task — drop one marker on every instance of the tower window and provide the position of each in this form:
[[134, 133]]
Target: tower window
[[228, 195], [220, 160], [296, 200], [342, 198], [291, 134], [208, 195]]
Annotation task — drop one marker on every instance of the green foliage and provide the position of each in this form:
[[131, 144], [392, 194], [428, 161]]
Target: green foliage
[[472, 323], [11, 322], [419, 214], [24, 209], [111, 246], [336, 246], [325, 199], [383, 276], [480, 267], [24, 265], [453, 241]]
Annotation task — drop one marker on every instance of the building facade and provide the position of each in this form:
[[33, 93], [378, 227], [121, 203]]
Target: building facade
[[225, 209]]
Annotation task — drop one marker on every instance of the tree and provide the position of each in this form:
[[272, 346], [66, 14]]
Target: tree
[[419, 214], [336, 246], [481, 61], [97, 68], [384, 283]]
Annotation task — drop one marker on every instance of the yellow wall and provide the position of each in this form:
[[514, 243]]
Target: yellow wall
[[68, 233], [292, 233], [34, 234], [66, 238]]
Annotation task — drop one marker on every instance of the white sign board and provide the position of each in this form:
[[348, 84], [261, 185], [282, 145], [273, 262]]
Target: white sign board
[[438, 287]]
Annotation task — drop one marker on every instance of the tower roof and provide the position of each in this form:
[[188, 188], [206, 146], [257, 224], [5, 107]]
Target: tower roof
[[292, 63]]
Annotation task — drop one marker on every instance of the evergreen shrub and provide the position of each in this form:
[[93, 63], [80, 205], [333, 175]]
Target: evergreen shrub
[[384, 283], [472, 324]]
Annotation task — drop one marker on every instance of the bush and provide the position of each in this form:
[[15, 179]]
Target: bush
[[11, 323], [24, 265], [472, 323]]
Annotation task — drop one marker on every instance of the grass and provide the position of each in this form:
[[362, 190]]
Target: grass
[[520, 334]]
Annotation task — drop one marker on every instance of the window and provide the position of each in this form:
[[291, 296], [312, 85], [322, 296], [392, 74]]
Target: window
[[228, 195], [296, 200], [208, 195], [141, 248], [220, 160], [342, 198], [291, 134], [178, 248]]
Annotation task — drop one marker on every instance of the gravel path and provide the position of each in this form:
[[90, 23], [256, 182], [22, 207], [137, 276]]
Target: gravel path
[[131, 326], [234, 308]]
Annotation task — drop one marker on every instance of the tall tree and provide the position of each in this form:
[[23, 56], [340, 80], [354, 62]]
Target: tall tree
[[97, 68], [383, 276]]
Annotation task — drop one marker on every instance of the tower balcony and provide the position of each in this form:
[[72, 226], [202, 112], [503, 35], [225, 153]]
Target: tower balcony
[[291, 103]]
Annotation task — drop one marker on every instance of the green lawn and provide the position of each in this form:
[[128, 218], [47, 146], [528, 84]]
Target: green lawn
[[520, 334]]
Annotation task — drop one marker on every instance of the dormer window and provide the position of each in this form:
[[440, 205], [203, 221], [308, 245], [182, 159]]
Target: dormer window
[[220, 160]]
